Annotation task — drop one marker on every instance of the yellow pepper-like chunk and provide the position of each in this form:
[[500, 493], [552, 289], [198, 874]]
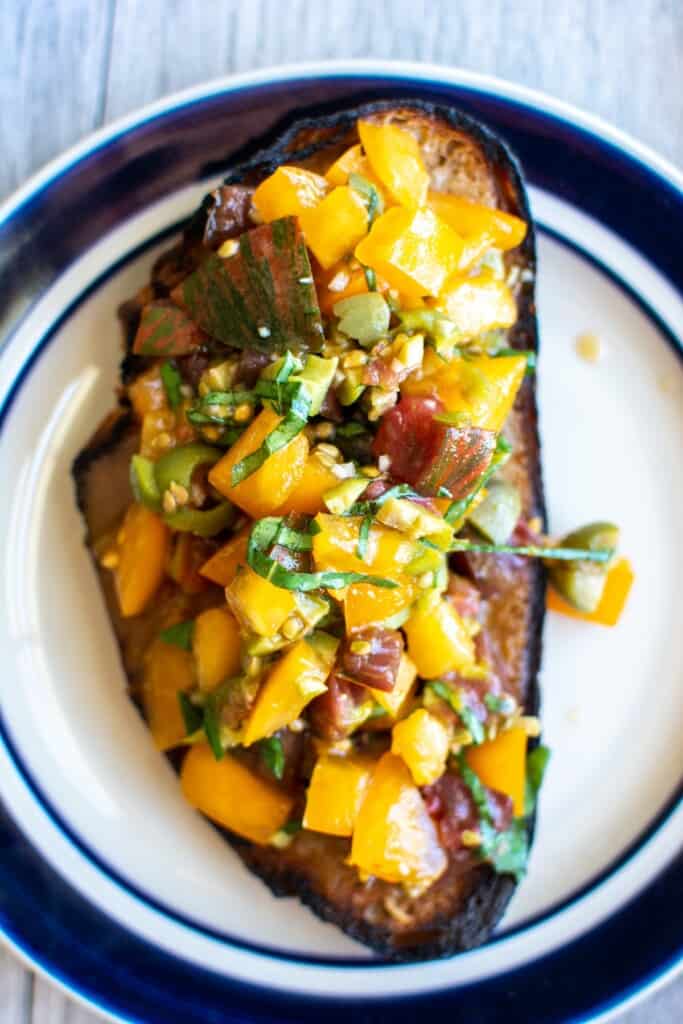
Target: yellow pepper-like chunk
[[335, 794], [478, 304], [413, 250], [288, 192], [472, 220], [307, 496], [352, 161], [143, 543], [394, 155], [484, 387], [394, 837], [222, 567], [232, 796], [423, 741], [397, 700], [267, 489], [335, 547], [366, 605], [168, 670], [216, 646], [297, 678], [501, 764], [335, 226], [147, 392], [259, 606], [438, 640], [617, 586]]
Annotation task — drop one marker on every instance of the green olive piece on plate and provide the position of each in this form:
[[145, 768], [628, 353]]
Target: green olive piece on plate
[[581, 583]]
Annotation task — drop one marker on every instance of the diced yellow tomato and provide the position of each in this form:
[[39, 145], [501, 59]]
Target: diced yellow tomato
[[307, 496], [147, 392], [472, 220], [258, 605], [288, 192], [168, 670], [366, 605], [501, 764], [267, 489], [423, 741], [478, 304], [413, 250], [297, 678], [396, 701], [394, 837], [484, 387], [335, 548], [232, 796], [617, 586], [216, 646], [187, 556], [335, 793], [438, 640], [352, 161], [394, 155], [156, 424], [143, 543], [335, 226], [222, 567]]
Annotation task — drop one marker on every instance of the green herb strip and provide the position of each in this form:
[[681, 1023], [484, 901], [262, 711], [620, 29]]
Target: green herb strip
[[536, 764], [506, 851], [363, 537], [278, 438], [370, 279], [474, 727], [460, 508], [212, 727], [193, 717], [179, 635], [172, 381], [529, 354], [533, 551], [273, 755], [370, 508], [265, 533]]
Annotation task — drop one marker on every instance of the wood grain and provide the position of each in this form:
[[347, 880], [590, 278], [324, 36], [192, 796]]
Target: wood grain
[[69, 66]]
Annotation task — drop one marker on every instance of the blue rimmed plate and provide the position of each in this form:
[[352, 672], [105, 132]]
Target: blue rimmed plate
[[108, 881]]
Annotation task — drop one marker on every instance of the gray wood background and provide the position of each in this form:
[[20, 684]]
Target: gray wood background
[[69, 66]]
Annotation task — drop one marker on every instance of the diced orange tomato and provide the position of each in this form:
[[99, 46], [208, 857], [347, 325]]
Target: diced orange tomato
[[438, 640], [501, 764], [267, 489], [296, 679], [143, 543], [147, 392], [335, 793], [356, 285], [232, 796], [423, 741], [472, 220], [617, 587], [222, 567], [288, 192], [352, 161], [413, 250], [335, 547], [307, 496], [484, 387], [366, 605], [394, 155], [168, 671], [477, 304], [396, 701], [394, 837], [216, 646], [185, 561], [258, 604], [335, 226]]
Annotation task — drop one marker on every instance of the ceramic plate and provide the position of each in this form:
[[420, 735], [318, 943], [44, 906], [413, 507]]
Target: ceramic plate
[[108, 881]]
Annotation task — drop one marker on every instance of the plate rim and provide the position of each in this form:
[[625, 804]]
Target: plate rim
[[397, 72]]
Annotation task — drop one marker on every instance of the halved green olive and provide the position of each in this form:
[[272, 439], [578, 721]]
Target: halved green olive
[[581, 583], [178, 465], [496, 517]]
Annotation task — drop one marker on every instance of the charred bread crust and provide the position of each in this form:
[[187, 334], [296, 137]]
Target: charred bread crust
[[458, 912]]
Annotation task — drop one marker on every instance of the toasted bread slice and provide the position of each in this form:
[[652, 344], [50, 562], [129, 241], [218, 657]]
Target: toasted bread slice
[[461, 909]]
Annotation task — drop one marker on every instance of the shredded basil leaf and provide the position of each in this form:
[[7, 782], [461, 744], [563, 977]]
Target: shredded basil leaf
[[285, 432], [273, 755], [536, 764], [363, 537], [179, 635], [368, 508], [192, 715], [508, 851], [474, 727], [494, 703], [370, 279], [369, 194], [264, 534], [528, 353], [172, 381], [534, 551], [290, 828], [212, 727]]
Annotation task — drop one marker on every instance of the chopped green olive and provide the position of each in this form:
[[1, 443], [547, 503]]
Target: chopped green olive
[[178, 465], [581, 583], [202, 522], [496, 517], [363, 317], [143, 482]]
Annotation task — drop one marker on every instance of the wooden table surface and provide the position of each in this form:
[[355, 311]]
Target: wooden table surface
[[70, 66]]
